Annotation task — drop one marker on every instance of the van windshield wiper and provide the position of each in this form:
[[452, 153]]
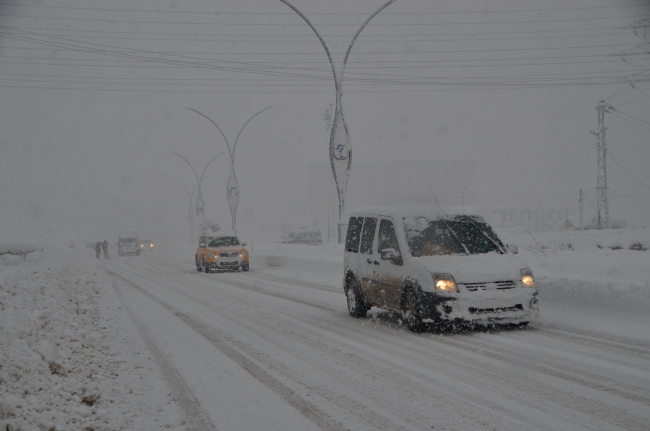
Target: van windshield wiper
[[456, 237]]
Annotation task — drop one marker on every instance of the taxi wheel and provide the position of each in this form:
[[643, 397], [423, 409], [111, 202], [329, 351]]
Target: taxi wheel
[[196, 262], [245, 266]]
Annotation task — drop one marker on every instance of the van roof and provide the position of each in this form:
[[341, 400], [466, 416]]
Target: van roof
[[430, 211], [130, 233]]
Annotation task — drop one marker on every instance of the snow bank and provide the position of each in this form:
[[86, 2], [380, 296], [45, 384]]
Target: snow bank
[[606, 270], [50, 360], [17, 248]]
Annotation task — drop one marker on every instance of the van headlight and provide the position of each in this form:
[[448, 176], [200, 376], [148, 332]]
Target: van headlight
[[527, 279], [444, 282], [243, 253], [211, 255]]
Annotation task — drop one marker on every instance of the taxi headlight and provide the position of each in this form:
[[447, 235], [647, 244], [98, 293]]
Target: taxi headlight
[[211, 255], [444, 282], [243, 253], [527, 279]]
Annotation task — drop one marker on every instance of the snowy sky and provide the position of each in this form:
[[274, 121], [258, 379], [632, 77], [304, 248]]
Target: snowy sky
[[94, 97]]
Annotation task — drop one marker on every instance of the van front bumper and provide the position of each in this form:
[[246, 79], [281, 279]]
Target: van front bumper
[[513, 307]]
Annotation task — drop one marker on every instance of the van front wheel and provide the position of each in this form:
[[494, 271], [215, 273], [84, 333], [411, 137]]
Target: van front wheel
[[410, 311], [356, 307]]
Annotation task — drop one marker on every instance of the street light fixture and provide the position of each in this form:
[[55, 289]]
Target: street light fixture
[[340, 149], [232, 185], [200, 206]]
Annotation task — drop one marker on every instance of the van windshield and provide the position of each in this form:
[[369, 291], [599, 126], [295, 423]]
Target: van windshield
[[224, 241], [459, 235]]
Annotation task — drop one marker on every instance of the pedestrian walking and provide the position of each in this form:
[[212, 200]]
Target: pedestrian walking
[[105, 248], [98, 248]]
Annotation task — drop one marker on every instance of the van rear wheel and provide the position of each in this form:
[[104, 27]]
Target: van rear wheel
[[356, 306]]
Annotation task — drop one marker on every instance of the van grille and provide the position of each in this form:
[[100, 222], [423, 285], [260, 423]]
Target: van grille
[[501, 285], [475, 310], [229, 254]]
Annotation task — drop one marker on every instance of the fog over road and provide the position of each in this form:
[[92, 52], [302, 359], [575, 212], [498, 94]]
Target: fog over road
[[268, 350]]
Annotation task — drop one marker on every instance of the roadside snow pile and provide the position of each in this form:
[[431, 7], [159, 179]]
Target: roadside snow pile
[[606, 269], [50, 361], [614, 239], [17, 248]]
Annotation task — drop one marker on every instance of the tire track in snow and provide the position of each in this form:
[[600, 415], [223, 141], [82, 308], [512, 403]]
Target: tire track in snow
[[343, 403], [193, 412], [215, 338], [599, 406], [242, 285]]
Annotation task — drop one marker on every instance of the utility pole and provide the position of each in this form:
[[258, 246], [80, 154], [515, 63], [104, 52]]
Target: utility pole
[[602, 206], [582, 208]]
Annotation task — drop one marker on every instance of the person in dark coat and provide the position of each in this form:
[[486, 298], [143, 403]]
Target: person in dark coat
[[98, 248], [105, 248]]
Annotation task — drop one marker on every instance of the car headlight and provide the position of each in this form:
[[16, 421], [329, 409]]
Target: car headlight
[[527, 279], [211, 255], [243, 253], [444, 282]]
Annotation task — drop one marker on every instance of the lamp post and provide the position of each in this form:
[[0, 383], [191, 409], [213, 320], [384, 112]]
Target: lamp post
[[232, 185], [340, 149], [200, 206], [190, 217]]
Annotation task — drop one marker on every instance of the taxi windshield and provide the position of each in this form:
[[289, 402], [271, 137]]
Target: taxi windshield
[[224, 241], [460, 235]]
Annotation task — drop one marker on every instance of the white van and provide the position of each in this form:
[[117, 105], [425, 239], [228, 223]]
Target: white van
[[128, 243], [434, 265]]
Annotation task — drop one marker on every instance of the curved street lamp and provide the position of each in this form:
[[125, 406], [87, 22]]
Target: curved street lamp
[[190, 217], [340, 149], [232, 185], [200, 206]]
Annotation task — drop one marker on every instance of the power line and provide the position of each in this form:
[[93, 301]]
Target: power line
[[310, 38], [636, 169], [481, 12], [401, 52], [112, 21]]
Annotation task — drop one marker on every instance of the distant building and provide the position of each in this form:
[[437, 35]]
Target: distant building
[[538, 219]]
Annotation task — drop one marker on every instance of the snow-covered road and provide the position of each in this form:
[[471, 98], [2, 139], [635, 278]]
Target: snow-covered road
[[276, 349]]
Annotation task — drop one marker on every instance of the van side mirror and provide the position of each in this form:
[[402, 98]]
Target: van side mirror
[[392, 255], [512, 248]]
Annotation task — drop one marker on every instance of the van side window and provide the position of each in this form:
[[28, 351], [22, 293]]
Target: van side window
[[368, 235], [387, 237], [354, 234]]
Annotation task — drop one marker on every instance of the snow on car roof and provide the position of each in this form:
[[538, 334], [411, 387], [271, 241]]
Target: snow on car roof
[[218, 234], [429, 211]]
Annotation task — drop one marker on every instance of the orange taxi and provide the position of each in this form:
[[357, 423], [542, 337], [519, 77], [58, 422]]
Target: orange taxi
[[221, 252]]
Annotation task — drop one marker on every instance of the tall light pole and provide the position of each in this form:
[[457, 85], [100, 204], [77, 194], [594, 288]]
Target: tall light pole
[[602, 205], [190, 217], [340, 149], [200, 206], [232, 185]]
